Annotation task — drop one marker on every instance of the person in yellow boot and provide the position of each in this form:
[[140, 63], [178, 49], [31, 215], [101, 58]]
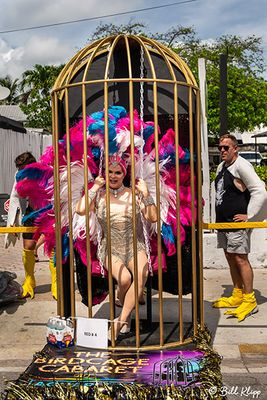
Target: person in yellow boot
[[16, 207], [240, 197], [29, 283]]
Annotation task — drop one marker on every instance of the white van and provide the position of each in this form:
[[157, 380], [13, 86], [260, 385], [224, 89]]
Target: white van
[[254, 157]]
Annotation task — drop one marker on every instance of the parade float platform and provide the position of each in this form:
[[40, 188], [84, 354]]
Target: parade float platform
[[187, 372]]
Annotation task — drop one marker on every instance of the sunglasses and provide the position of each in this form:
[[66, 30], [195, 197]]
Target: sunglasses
[[226, 148]]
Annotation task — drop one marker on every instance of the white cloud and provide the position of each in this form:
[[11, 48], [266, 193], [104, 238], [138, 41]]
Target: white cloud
[[36, 50], [47, 50], [10, 59], [21, 50]]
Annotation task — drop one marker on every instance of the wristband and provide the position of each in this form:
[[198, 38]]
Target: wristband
[[148, 201], [91, 194]]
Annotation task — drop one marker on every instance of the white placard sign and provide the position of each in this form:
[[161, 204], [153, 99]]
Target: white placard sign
[[92, 332]]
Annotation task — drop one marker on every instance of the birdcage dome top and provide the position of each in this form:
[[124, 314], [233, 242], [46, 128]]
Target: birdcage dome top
[[117, 58]]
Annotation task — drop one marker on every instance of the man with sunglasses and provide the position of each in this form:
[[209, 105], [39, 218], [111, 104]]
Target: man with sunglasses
[[240, 197]]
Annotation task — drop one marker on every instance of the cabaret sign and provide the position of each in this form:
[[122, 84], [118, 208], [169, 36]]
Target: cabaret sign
[[162, 367]]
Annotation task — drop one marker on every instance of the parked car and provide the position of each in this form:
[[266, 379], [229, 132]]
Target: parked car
[[263, 161], [254, 157]]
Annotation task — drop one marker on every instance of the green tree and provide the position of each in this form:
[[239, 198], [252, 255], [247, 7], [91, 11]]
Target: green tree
[[14, 87], [38, 112], [132, 28], [36, 86], [247, 89], [247, 99]]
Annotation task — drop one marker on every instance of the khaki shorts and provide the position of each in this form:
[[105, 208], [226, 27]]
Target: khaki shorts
[[236, 241]]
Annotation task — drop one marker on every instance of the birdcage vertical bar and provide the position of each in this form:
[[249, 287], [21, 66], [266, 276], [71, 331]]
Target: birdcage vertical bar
[[135, 277], [178, 220], [108, 257], [58, 252], [155, 112], [160, 285], [87, 211], [70, 211]]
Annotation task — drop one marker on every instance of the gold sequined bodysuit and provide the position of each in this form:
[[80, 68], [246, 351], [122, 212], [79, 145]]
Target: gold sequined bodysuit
[[121, 230]]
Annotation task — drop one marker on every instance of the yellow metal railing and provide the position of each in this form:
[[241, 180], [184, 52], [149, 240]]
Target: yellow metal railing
[[205, 225], [17, 229], [233, 225]]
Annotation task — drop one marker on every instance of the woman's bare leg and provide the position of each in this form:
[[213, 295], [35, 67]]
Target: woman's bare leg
[[124, 280], [122, 276], [39, 243], [29, 244], [129, 300]]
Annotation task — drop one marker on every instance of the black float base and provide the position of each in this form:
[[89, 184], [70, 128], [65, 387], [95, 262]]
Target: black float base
[[81, 373]]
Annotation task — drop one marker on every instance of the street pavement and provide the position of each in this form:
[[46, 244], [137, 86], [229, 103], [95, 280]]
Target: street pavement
[[242, 345]]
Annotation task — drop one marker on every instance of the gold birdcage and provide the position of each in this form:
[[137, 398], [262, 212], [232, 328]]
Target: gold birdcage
[[139, 74]]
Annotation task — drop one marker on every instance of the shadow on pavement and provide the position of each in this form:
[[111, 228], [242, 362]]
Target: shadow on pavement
[[11, 308], [42, 288]]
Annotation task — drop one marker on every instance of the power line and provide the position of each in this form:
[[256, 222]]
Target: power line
[[96, 18]]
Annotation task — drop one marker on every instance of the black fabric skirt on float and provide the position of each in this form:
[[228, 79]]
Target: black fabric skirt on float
[[170, 277], [99, 284]]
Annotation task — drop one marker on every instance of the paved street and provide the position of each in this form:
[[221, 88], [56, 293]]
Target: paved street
[[242, 345]]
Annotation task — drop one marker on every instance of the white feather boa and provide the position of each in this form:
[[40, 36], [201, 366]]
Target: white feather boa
[[77, 188]]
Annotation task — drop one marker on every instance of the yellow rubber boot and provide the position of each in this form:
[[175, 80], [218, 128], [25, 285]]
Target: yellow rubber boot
[[29, 284], [247, 308], [53, 277], [233, 301]]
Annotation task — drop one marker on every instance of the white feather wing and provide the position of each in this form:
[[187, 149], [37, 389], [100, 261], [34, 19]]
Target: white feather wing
[[77, 188]]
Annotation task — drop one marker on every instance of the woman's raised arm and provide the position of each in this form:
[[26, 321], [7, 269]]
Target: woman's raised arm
[[80, 206], [150, 209]]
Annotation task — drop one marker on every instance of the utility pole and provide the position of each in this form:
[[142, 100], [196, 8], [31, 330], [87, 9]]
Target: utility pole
[[223, 95], [204, 139]]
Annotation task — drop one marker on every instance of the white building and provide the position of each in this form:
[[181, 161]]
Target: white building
[[14, 140]]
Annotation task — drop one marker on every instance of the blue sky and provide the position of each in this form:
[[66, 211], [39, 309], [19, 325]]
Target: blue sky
[[21, 50]]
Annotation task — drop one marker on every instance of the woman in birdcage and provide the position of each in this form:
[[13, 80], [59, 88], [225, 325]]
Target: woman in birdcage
[[121, 234], [119, 147]]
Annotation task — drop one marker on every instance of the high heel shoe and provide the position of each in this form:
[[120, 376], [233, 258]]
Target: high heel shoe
[[125, 328]]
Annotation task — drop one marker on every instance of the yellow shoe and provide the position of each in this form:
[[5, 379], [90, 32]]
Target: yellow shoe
[[29, 284], [53, 277], [247, 308], [28, 288], [233, 301]]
